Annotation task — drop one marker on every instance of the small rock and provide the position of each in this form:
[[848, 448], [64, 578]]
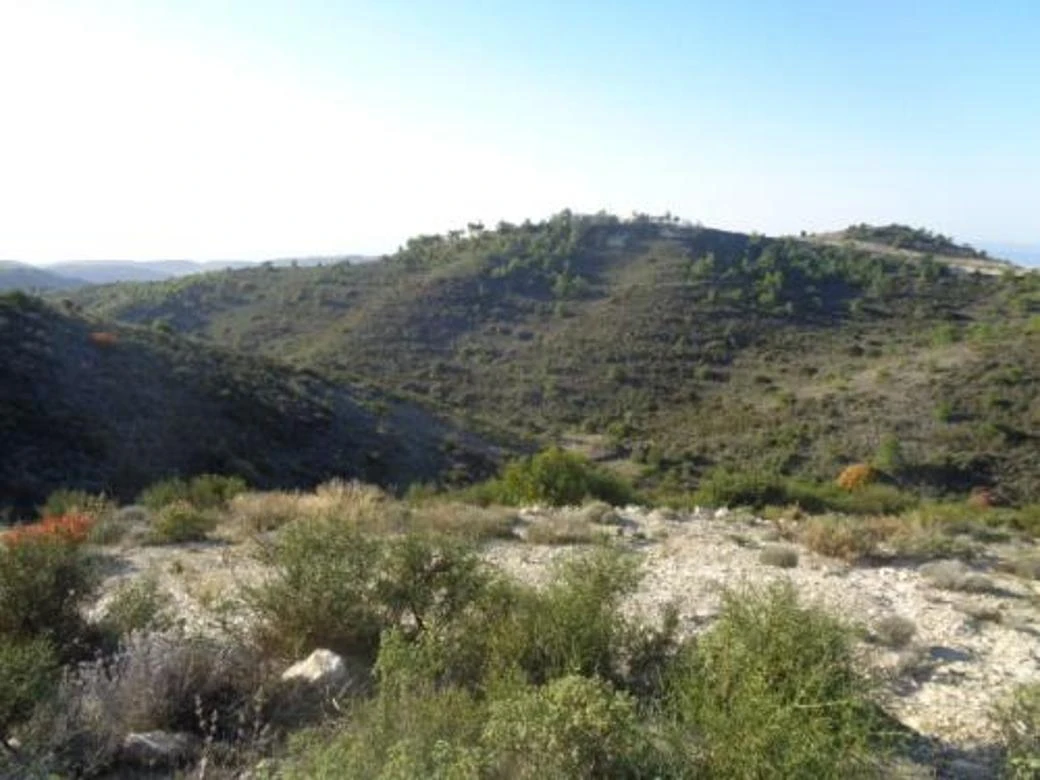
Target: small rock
[[322, 667], [156, 749], [721, 513]]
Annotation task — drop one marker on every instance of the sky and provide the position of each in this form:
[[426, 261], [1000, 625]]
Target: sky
[[204, 129]]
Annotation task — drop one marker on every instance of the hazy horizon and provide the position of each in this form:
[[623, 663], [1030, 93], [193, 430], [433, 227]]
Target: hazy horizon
[[141, 130]]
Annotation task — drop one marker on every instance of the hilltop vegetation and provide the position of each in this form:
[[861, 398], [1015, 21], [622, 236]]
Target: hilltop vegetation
[[100, 407], [687, 349], [913, 239]]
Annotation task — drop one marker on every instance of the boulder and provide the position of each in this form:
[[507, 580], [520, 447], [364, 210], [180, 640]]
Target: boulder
[[322, 668]]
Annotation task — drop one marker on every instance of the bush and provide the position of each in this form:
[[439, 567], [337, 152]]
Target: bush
[[723, 487], [1019, 722], [75, 502], [116, 525], [895, 631], [138, 605], [217, 691], [572, 727], [841, 537], [955, 575], [28, 672], [72, 529], [44, 582], [409, 734], [556, 478], [759, 490], [772, 690], [780, 555], [334, 586], [573, 625], [856, 477], [182, 522], [207, 491]]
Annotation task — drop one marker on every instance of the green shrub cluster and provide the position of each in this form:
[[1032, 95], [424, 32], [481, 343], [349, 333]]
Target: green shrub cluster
[[206, 491], [724, 487], [45, 580], [483, 677], [557, 478], [1019, 721], [334, 586], [182, 521], [771, 690]]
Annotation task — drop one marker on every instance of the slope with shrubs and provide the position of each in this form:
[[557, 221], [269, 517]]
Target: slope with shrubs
[[112, 409], [688, 348]]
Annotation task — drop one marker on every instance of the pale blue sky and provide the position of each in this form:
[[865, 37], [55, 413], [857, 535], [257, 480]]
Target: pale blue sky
[[254, 129]]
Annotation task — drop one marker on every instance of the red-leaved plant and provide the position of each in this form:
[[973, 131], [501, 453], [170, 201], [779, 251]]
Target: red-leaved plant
[[71, 528]]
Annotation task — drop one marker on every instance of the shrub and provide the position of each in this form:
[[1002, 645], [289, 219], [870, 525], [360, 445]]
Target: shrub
[[116, 525], [211, 491], [333, 586], [408, 734], [181, 522], [137, 605], [75, 502], [573, 625], [772, 690], [895, 631], [206, 491], [856, 476], [154, 682], [71, 529], [781, 555], [560, 530], [840, 537], [28, 672], [761, 489], [1019, 722], [556, 478], [723, 487], [954, 575], [167, 491], [44, 581], [572, 727]]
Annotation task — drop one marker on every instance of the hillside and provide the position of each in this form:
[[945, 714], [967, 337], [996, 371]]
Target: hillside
[[688, 349], [112, 271], [114, 408], [915, 244], [20, 276]]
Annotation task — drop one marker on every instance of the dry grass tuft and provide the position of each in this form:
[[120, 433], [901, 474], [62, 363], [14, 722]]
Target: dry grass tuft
[[955, 575], [894, 631], [369, 509], [781, 555], [562, 530]]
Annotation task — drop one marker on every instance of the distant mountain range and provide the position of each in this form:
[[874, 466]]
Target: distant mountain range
[[78, 273]]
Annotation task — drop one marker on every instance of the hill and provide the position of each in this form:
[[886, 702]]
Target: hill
[[112, 271], [109, 408], [685, 348], [914, 244], [20, 276]]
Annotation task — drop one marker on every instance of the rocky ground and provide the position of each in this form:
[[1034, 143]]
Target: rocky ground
[[943, 657]]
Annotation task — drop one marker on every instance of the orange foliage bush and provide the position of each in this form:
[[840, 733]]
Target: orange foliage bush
[[981, 498], [856, 476], [72, 528], [103, 338]]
